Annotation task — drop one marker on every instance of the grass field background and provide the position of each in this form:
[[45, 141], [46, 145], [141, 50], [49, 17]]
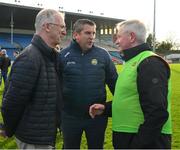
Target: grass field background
[[175, 76]]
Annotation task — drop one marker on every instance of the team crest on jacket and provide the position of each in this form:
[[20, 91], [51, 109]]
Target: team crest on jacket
[[94, 61]]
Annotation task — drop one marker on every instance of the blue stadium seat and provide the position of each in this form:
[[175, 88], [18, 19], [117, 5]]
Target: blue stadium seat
[[5, 44], [20, 41], [23, 40]]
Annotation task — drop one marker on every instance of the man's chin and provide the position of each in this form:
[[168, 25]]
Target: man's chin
[[90, 45]]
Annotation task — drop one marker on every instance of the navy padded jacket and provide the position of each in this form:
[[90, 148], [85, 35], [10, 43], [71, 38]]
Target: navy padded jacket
[[84, 77]]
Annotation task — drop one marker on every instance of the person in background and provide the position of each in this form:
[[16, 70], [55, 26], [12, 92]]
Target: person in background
[[15, 54], [85, 69], [1, 63], [5, 63], [141, 106], [32, 97]]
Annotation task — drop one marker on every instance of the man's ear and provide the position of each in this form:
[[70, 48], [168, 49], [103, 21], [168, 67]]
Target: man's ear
[[132, 36], [46, 27], [76, 36]]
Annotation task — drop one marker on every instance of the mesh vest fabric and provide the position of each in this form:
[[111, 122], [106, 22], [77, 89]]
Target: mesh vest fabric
[[127, 114]]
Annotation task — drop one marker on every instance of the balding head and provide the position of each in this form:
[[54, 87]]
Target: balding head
[[50, 26], [45, 16]]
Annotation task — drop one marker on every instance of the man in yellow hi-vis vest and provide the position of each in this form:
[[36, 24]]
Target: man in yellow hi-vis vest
[[141, 113]]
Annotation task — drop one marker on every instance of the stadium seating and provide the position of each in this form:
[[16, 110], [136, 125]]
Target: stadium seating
[[20, 41], [5, 43], [23, 40]]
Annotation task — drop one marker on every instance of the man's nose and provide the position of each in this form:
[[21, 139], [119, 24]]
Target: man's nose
[[92, 36], [64, 32]]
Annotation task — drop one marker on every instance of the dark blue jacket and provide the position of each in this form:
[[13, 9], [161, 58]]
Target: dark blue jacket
[[29, 106], [84, 77]]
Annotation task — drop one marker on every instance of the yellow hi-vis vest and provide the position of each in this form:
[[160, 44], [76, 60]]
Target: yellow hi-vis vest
[[127, 114]]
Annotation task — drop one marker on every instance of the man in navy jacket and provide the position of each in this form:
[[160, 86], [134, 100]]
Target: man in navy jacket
[[85, 71]]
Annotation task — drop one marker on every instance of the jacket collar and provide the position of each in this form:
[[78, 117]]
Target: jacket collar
[[43, 47], [132, 52]]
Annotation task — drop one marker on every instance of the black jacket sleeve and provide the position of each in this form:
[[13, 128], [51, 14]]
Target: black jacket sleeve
[[108, 109], [111, 75], [152, 84], [111, 78]]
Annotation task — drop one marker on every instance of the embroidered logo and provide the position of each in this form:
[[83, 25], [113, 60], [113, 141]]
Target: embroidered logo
[[155, 80], [71, 63], [94, 61]]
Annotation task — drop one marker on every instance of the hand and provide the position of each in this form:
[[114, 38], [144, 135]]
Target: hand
[[96, 109]]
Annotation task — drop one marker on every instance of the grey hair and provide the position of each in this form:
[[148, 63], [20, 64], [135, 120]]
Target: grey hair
[[135, 26], [45, 16], [79, 24]]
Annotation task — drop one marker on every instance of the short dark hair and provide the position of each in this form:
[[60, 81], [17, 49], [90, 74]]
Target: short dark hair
[[79, 24]]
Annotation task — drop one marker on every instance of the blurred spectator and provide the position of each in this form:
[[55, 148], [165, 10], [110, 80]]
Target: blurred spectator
[[1, 62], [5, 62], [15, 54]]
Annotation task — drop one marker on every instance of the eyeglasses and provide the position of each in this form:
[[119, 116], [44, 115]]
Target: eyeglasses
[[59, 25]]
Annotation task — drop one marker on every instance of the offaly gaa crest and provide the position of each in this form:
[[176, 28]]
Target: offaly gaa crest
[[94, 61]]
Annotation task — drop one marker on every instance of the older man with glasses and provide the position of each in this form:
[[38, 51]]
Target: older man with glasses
[[32, 98]]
